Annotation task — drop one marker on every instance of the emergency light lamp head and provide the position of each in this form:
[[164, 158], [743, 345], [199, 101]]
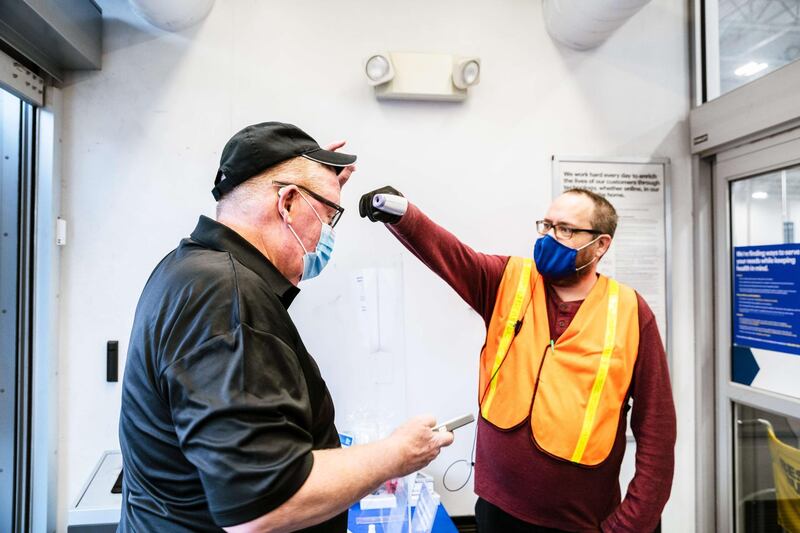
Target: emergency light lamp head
[[466, 72], [379, 69]]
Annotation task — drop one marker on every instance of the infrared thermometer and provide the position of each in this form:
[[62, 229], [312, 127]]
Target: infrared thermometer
[[455, 423], [390, 203]]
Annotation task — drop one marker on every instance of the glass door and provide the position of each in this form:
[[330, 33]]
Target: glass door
[[757, 282], [9, 252], [17, 131]]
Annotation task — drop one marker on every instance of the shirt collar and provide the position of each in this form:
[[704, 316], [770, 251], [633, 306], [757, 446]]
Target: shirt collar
[[556, 299], [218, 236]]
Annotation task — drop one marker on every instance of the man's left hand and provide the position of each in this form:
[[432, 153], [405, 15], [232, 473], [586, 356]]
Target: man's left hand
[[346, 172]]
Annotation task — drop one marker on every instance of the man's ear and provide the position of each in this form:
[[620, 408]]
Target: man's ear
[[286, 197], [605, 244]]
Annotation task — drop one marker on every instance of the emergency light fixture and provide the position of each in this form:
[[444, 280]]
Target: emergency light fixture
[[421, 76]]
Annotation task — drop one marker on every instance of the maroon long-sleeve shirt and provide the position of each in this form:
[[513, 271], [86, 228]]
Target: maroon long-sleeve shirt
[[510, 472]]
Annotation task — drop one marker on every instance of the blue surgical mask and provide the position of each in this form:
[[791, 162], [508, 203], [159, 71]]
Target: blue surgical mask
[[314, 262], [556, 260]]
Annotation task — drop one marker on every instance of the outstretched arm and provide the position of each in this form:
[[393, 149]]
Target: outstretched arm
[[474, 276]]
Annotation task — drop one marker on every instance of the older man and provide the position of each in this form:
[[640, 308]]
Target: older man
[[566, 351], [225, 420]]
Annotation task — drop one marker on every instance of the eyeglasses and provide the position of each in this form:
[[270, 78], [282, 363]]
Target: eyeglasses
[[562, 232], [336, 207]]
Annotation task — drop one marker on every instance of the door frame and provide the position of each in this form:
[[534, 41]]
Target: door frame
[[35, 466], [752, 159]]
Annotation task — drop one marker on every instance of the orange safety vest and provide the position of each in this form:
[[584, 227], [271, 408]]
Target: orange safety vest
[[572, 389]]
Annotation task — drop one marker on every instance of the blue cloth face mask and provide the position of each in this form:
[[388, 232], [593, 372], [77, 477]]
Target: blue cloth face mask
[[556, 260], [314, 262]]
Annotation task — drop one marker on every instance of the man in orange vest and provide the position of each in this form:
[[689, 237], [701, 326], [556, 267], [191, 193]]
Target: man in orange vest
[[567, 351]]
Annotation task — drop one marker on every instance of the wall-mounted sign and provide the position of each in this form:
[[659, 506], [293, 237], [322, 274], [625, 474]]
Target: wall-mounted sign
[[766, 317]]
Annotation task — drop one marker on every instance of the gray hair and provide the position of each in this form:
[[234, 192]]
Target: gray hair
[[250, 193]]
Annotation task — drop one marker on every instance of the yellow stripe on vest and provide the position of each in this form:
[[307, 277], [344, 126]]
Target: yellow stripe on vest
[[508, 332], [602, 371]]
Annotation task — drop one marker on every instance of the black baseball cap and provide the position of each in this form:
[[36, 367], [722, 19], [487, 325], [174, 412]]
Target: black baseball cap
[[260, 146]]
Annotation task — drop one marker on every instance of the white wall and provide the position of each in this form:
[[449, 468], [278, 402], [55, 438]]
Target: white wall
[[142, 139]]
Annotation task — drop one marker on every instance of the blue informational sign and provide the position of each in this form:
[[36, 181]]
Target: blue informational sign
[[766, 301]]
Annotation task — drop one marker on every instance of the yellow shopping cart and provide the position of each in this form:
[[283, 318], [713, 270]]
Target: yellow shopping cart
[[786, 473]]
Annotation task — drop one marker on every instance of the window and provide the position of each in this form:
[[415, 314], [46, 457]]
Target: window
[[765, 209], [747, 39]]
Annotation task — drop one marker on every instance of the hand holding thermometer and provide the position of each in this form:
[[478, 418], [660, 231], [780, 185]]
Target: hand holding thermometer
[[389, 203], [455, 423]]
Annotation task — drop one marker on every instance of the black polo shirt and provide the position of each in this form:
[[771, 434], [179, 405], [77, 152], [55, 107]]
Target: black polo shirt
[[221, 403]]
